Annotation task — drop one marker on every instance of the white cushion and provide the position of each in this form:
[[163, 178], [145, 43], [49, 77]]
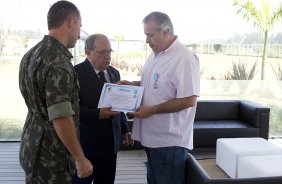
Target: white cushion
[[260, 166], [228, 150]]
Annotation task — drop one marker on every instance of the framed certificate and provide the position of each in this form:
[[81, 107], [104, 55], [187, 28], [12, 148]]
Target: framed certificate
[[122, 98]]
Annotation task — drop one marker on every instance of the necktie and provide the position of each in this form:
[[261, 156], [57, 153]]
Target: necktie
[[102, 80], [102, 77]]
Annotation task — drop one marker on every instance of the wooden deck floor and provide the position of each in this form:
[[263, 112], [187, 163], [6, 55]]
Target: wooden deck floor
[[130, 165]]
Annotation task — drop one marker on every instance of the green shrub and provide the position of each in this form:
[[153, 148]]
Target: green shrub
[[278, 73], [240, 71], [275, 120], [11, 129]]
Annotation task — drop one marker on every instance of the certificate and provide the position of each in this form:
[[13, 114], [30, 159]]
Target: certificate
[[122, 98]]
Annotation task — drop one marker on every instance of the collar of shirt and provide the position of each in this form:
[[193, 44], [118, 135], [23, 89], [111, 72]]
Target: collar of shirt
[[105, 72], [51, 40], [170, 48], [174, 43]]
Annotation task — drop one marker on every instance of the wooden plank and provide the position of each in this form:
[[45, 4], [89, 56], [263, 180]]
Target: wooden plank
[[12, 174], [131, 181], [130, 172], [14, 178], [10, 165], [12, 182]]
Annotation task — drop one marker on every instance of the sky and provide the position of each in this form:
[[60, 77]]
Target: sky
[[193, 20]]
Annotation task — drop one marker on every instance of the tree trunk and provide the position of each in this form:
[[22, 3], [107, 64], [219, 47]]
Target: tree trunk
[[264, 55]]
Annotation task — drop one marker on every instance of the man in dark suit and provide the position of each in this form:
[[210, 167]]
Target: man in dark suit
[[100, 128]]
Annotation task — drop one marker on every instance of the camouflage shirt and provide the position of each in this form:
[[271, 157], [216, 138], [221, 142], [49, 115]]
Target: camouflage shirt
[[50, 88]]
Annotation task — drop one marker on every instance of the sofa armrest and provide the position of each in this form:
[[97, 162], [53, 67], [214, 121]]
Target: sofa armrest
[[256, 115], [195, 174], [262, 180]]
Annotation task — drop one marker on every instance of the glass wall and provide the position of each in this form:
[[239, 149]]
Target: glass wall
[[13, 109], [268, 93], [12, 106]]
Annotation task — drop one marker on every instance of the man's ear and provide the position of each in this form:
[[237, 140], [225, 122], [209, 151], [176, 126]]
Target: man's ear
[[87, 52], [70, 21], [167, 31]]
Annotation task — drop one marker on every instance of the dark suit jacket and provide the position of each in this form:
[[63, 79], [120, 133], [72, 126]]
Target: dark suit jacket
[[98, 138]]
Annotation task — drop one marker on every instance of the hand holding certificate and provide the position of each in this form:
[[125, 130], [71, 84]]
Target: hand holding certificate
[[122, 98]]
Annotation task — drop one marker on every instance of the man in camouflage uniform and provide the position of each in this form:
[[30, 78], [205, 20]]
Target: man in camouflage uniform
[[50, 150]]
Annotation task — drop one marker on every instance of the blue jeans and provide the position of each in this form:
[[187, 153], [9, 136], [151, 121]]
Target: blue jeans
[[166, 165]]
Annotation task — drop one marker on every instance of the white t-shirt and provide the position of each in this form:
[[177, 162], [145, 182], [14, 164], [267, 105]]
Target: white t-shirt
[[173, 73]]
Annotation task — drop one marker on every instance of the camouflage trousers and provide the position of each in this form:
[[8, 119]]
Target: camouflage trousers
[[46, 175]]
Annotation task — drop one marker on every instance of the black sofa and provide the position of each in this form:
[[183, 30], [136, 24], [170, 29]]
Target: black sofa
[[225, 119], [229, 119], [197, 175]]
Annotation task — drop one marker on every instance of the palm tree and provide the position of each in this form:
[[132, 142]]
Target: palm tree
[[119, 38], [264, 20]]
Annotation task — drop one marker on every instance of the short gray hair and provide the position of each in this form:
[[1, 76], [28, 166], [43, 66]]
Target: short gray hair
[[162, 20], [90, 42]]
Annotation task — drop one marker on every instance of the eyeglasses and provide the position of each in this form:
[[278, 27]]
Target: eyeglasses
[[103, 52]]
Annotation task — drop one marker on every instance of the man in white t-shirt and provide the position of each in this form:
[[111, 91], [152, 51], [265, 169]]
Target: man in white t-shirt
[[164, 122]]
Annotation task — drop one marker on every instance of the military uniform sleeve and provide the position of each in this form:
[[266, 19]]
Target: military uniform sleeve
[[58, 90]]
